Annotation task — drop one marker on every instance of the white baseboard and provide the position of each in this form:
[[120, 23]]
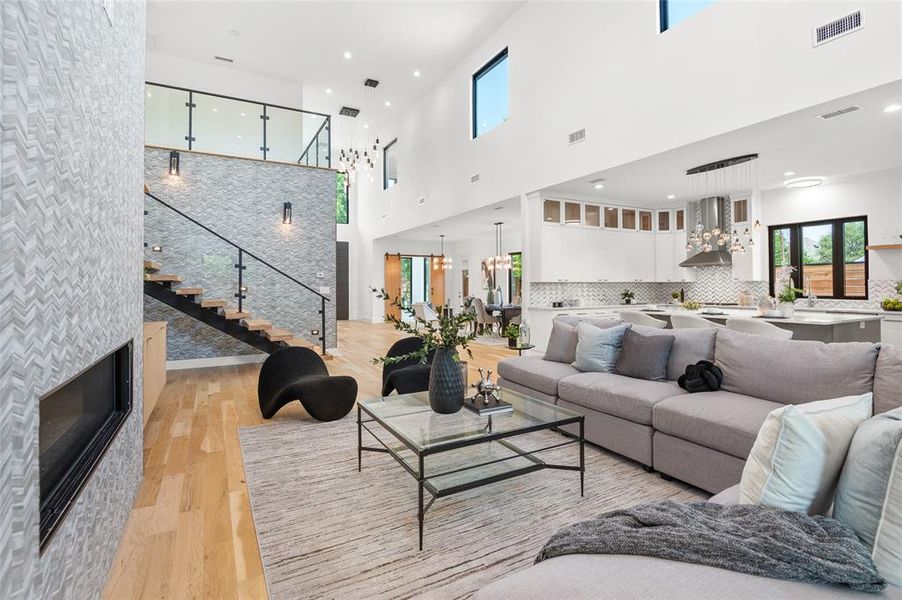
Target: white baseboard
[[218, 361]]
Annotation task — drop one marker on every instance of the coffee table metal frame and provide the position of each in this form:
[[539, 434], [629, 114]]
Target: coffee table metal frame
[[490, 436]]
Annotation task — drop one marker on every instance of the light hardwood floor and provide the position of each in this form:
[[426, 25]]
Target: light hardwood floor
[[190, 533]]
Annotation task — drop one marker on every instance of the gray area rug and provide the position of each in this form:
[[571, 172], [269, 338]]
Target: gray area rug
[[327, 531]]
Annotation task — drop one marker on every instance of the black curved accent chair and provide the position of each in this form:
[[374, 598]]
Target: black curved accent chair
[[408, 376], [297, 373]]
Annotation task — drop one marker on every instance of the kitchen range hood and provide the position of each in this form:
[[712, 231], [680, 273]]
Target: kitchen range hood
[[712, 210]]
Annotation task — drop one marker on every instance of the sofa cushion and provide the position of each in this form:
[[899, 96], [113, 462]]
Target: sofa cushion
[[617, 395], [799, 453], [561, 343], [689, 347], [644, 356], [870, 491], [535, 372], [719, 420], [793, 371], [888, 379], [598, 348]]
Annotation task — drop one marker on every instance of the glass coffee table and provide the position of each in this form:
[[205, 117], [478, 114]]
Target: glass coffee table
[[448, 454]]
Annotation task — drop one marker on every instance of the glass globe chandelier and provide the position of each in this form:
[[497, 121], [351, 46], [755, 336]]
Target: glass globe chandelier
[[499, 261], [441, 261], [361, 150]]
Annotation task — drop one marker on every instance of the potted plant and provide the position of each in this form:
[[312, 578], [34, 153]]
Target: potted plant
[[675, 296], [787, 298], [512, 333], [443, 336], [626, 296]]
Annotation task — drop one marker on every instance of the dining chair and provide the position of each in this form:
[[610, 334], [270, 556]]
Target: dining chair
[[757, 327], [424, 312], [637, 318], [483, 318], [687, 321]]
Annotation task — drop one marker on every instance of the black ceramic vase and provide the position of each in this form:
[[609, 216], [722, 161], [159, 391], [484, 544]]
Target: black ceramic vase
[[446, 386]]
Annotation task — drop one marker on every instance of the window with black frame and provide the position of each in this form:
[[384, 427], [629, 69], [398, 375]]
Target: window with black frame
[[827, 258], [390, 164], [490, 95], [515, 278], [672, 12]]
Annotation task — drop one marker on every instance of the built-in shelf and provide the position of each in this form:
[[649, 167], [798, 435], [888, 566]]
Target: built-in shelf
[[885, 247]]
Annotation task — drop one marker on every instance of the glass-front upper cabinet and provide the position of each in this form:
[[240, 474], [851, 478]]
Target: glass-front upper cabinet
[[679, 220], [551, 211], [611, 217], [664, 220], [593, 215], [572, 213], [741, 210], [645, 221], [628, 219]]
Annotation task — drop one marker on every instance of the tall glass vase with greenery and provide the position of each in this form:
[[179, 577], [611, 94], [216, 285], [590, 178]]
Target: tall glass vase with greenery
[[447, 336]]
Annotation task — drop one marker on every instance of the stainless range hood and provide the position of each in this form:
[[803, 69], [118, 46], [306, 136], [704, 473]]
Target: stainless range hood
[[712, 216]]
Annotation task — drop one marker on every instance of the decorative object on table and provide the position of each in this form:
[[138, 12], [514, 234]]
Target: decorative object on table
[[626, 296], [523, 339], [675, 296], [512, 333], [767, 306], [703, 376], [298, 373], [691, 305], [745, 298], [487, 400], [891, 304], [442, 337], [787, 293], [409, 375]]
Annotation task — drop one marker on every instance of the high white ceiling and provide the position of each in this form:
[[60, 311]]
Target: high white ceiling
[[859, 142], [469, 225], [305, 42]]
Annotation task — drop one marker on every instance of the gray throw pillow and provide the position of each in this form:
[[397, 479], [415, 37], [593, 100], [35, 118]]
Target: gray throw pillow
[[644, 356], [561, 343], [598, 349]]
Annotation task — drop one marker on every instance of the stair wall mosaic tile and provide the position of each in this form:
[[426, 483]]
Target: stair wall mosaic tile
[[72, 129]]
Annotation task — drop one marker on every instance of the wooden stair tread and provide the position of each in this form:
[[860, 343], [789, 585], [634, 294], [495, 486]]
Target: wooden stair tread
[[212, 303], [277, 335], [189, 291], [294, 341], [152, 266], [233, 314], [256, 324], [159, 277]]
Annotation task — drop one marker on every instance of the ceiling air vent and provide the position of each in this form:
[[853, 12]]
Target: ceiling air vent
[[474, 178], [347, 111], [840, 112], [421, 201], [577, 136], [224, 59], [838, 28]]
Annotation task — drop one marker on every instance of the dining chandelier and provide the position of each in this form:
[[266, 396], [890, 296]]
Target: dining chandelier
[[499, 261], [441, 261]]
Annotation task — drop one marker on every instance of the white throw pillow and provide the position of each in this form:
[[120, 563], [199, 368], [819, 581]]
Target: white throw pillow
[[799, 453]]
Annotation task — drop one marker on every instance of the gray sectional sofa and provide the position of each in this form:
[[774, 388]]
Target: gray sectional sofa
[[705, 438]]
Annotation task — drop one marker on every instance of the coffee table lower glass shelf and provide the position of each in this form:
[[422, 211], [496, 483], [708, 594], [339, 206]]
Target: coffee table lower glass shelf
[[448, 454]]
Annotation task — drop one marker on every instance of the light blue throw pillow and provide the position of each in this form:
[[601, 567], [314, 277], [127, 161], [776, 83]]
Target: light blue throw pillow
[[598, 349]]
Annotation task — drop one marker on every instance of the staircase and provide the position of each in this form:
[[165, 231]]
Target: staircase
[[235, 321]]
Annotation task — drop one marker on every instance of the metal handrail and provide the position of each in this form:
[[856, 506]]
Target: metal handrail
[[231, 243], [312, 140]]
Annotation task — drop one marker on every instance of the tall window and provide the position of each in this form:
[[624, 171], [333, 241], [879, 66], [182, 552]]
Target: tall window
[[515, 278], [828, 257], [341, 198], [673, 12], [490, 95], [389, 165]]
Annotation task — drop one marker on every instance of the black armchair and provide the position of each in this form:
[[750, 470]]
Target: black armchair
[[298, 373], [407, 376]]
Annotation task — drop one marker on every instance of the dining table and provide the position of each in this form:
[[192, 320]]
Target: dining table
[[506, 311]]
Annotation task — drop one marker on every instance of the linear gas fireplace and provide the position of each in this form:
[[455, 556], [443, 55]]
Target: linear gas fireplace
[[78, 422]]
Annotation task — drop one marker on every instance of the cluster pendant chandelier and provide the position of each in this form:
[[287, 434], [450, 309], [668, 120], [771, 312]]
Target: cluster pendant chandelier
[[441, 261], [720, 179], [499, 261], [361, 150]]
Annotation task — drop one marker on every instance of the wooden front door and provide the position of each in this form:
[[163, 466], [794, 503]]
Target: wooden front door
[[393, 283], [437, 279]]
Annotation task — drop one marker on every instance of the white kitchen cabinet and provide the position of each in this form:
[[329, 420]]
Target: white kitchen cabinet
[[679, 255], [891, 330], [637, 256], [665, 259], [551, 251]]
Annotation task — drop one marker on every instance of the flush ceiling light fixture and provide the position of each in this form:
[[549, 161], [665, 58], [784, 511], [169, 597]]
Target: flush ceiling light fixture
[[599, 186], [174, 163], [803, 182], [892, 108]]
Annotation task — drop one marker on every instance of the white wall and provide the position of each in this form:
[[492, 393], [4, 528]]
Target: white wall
[[876, 195], [603, 66]]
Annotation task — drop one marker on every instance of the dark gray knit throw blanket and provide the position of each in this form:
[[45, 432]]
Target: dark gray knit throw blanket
[[744, 538]]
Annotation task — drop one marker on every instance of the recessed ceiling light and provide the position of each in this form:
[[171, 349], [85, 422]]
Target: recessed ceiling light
[[347, 54], [803, 182], [892, 108], [239, 136], [215, 109], [670, 196], [416, 73], [328, 90], [365, 126], [235, 33], [789, 173], [148, 94], [243, 115], [387, 103], [599, 186]]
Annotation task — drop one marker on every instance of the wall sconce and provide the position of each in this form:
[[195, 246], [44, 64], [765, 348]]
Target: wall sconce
[[174, 163], [286, 213], [157, 249]]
